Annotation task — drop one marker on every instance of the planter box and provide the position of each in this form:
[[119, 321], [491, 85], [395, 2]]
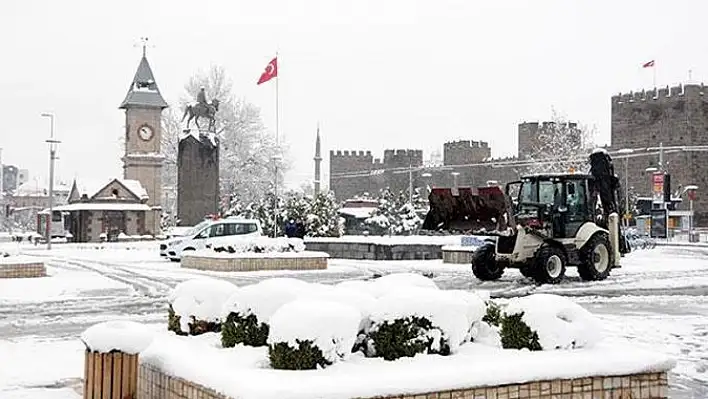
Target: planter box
[[153, 384], [21, 268], [458, 254], [249, 262]]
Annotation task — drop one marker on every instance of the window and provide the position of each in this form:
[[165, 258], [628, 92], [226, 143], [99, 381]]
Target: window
[[233, 229], [56, 216], [217, 230]]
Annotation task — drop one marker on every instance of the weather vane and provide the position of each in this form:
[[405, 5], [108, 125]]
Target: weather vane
[[143, 44]]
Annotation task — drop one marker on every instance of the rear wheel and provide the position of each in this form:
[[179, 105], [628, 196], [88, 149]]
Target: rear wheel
[[484, 264], [596, 258], [549, 265]]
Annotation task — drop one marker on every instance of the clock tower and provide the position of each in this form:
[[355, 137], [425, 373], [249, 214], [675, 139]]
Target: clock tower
[[143, 159]]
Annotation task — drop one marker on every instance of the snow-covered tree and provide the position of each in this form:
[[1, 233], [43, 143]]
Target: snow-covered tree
[[323, 216], [395, 214], [247, 148], [560, 146]]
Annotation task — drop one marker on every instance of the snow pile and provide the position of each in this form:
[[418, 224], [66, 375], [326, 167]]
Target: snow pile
[[264, 298], [201, 299], [331, 326], [123, 336], [236, 244], [452, 312], [362, 301], [559, 322], [390, 282]]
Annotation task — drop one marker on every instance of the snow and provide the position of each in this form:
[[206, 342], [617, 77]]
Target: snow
[[390, 282], [135, 187], [208, 253], [473, 365], [452, 312], [459, 248], [599, 150], [17, 259], [559, 322], [331, 326], [364, 302], [123, 336], [359, 213], [102, 206], [263, 299], [201, 298], [250, 243]]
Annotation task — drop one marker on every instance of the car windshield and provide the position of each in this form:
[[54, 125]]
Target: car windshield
[[543, 191], [196, 229]]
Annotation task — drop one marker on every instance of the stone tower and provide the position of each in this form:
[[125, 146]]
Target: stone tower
[[143, 159], [197, 178], [318, 161]]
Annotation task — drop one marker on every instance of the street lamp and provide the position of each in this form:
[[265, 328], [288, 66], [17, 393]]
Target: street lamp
[[276, 159], [52, 156], [691, 189], [454, 178], [626, 151]]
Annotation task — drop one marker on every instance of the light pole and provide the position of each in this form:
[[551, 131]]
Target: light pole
[[52, 157], [691, 196], [626, 151], [276, 159], [454, 178]]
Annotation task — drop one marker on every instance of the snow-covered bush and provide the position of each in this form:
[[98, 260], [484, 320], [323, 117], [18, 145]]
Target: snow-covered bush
[[389, 283], [307, 334], [493, 314], [248, 311], [233, 244], [362, 301], [195, 305], [547, 322], [421, 320], [395, 214]]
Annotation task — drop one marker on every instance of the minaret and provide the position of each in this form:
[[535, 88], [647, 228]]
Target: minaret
[[318, 160]]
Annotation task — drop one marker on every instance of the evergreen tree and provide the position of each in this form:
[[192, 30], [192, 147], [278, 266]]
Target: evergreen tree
[[323, 218]]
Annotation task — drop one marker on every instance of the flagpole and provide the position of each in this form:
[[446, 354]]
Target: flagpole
[[275, 162], [654, 70]]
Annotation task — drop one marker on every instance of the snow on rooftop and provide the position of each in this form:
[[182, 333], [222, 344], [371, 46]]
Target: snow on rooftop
[[135, 187], [98, 206], [359, 213], [124, 336]]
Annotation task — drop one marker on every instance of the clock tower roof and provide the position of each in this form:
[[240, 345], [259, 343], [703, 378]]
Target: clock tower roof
[[143, 91]]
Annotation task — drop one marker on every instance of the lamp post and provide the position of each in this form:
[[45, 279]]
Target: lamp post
[[454, 178], [626, 151], [52, 156]]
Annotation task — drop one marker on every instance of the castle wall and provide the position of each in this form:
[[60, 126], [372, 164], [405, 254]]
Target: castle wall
[[673, 116], [465, 152]]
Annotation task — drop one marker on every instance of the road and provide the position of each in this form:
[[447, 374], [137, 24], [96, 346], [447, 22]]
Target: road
[[658, 299]]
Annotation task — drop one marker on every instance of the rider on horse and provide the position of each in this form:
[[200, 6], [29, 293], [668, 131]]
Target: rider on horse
[[201, 97]]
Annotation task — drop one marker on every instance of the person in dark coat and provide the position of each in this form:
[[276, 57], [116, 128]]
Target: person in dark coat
[[291, 229]]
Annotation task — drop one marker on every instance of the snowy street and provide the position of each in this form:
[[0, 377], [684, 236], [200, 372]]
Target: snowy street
[[658, 299]]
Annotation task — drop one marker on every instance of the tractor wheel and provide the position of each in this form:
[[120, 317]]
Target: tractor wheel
[[596, 258], [549, 265], [484, 265]]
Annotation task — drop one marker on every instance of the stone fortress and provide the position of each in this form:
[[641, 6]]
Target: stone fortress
[[674, 116]]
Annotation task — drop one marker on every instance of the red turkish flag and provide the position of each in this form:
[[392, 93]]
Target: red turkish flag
[[271, 71], [648, 64]]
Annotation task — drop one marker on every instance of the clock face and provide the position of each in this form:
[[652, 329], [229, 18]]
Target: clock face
[[145, 132]]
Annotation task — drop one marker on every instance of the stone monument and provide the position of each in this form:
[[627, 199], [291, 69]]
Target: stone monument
[[198, 164]]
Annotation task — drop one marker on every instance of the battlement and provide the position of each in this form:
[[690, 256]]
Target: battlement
[[460, 144], [687, 91], [349, 154], [402, 153]]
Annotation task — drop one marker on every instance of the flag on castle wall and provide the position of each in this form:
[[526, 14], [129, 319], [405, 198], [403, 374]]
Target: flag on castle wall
[[648, 64], [271, 71]]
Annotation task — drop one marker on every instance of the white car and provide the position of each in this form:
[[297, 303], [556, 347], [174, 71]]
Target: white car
[[206, 232]]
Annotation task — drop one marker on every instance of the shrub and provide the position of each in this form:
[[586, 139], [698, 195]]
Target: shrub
[[493, 315], [173, 322], [515, 334], [405, 337], [243, 330], [307, 356]]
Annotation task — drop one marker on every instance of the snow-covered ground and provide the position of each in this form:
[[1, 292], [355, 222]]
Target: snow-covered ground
[[658, 299]]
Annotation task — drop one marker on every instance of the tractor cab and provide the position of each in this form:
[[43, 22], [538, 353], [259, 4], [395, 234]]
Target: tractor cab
[[555, 205]]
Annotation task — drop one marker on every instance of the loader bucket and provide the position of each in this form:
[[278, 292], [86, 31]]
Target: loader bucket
[[461, 210]]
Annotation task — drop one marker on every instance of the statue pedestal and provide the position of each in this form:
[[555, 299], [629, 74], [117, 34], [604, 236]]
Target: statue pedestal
[[197, 177]]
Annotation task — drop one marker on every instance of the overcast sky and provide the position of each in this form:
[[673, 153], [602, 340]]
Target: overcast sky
[[376, 74]]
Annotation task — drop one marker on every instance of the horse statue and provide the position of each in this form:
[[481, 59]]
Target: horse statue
[[202, 110]]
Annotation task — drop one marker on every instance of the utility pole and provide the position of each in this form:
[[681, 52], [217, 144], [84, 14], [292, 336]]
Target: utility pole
[[52, 156], [410, 183]]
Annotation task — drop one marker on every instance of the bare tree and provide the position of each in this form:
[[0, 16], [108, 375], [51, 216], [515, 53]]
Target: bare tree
[[246, 165], [561, 145]]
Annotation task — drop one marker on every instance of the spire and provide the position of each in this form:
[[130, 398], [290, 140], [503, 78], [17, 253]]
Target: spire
[[143, 91], [318, 160]]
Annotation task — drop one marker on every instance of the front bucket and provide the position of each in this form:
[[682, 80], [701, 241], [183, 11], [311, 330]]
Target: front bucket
[[460, 210]]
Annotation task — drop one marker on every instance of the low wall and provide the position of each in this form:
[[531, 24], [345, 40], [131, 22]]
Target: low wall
[[457, 254], [372, 251], [22, 270], [315, 261], [153, 384]]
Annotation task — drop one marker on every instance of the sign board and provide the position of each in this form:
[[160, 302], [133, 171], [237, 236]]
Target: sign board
[[659, 223], [471, 241], [692, 195], [657, 181]]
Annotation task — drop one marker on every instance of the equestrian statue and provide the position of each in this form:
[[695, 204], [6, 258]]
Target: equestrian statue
[[202, 109]]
